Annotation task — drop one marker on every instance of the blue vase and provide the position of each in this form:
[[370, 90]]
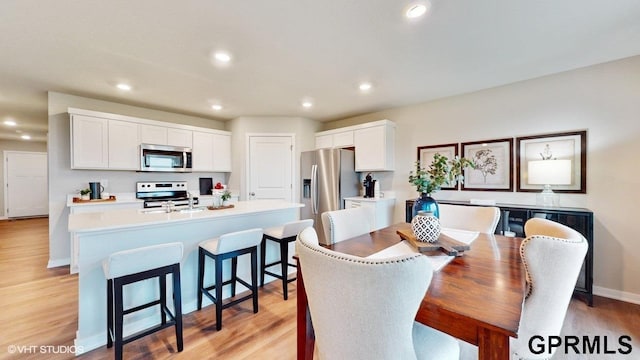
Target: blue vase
[[426, 203]]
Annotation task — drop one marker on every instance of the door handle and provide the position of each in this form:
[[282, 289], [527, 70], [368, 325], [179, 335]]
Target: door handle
[[314, 189]]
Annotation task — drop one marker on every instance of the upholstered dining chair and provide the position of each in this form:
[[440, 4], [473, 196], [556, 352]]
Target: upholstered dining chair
[[365, 308], [343, 224], [552, 254], [482, 219]]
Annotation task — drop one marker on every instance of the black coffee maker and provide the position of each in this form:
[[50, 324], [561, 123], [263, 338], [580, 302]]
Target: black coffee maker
[[369, 186]]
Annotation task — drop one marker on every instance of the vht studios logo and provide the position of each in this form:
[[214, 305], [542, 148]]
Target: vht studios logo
[[581, 344]]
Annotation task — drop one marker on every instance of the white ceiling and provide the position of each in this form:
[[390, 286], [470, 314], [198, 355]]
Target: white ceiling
[[287, 50]]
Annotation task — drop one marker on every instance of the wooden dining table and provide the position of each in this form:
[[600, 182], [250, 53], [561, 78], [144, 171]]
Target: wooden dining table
[[477, 297]]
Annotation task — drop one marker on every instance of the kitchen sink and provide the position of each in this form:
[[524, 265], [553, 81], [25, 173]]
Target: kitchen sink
[[193, 210], [153, 211]]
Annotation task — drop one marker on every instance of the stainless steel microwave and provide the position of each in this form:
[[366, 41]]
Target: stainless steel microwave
[[165, 158]]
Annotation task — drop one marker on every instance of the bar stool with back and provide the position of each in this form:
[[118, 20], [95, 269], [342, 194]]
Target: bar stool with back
[[229, 246], [283, 235], [131, 266]]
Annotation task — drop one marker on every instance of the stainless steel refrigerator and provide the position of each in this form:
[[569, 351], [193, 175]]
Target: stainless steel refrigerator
[[328, 176]]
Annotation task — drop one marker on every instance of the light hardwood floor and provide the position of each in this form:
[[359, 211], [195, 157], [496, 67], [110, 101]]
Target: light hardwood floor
[[38, 307]]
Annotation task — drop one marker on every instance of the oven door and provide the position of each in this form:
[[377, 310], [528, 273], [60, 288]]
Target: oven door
[[165, 158]]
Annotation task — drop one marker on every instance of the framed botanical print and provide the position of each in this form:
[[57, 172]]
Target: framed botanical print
[[426, 153], [570, 147], [494, 165]]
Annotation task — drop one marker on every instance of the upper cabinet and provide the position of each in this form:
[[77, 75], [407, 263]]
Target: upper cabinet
[[90, 142], [123, 145], [334, 139], [111, 142], [374, 144], [162, 135], [211, 152]]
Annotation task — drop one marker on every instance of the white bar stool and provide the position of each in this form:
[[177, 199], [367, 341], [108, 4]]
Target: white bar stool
[[229, 246], [283, 235], [130, 266]]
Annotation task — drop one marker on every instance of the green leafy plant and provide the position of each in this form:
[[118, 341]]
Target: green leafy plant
[[226, 195], [85, 191], [441, 171]]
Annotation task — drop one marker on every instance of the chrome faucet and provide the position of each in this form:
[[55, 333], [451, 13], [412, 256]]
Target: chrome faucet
[[168, 206], [190, 196]]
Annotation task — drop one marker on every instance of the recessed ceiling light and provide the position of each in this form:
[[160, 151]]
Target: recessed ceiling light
[[124, 87], [222, 56], [417, 10], [307, 104], [10, 123], [365, 86], [26, 137], [216, 107]]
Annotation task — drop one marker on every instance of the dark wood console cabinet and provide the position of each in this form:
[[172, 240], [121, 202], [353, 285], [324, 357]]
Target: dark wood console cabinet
[[513, 217]]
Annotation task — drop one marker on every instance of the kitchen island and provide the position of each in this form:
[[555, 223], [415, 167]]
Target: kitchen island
[[96, 235]]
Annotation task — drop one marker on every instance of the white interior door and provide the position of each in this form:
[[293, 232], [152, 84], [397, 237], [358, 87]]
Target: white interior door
[[270, 167], [26, 179]]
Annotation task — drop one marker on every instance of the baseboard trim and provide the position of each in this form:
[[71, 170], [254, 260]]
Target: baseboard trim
[[617, 294], [58, 262]]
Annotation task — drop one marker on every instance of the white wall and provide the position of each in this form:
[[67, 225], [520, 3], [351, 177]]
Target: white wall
[[63, 180], [13, 145], [603, 99], [304, 130]]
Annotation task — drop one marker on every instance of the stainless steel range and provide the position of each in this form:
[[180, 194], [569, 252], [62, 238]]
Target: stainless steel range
[[158, 194]]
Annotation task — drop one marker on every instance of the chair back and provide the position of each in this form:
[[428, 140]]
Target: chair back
[[343, 224], [482, 219], [553, 255], [294, 227], [141, 259], [238, 240], [362, 308]]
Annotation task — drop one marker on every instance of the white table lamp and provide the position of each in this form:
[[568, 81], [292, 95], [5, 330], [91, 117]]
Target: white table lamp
[[547, 173]]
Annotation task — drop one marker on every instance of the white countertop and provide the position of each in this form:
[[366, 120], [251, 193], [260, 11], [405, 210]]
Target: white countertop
[[127, 218], [121, 198], [373, 199]]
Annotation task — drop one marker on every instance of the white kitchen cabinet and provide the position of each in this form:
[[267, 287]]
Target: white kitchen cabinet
[[153, 134], [211, 152], [324, 141], [89, 142], [375, 147], [179, 137], [333, 139], [380, 209], [343, 139], [222, 152], [202, 158], [123, 145]]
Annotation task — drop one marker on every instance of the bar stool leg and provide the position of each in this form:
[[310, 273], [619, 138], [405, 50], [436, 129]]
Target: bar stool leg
[[200, 277], [218, 268], [119, 314], [254, 278], [234, 276], [263, 262], [177, 303], [109, 313], [284, 259], [162, 280]]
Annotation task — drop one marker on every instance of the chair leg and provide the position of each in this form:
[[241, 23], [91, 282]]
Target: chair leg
[[263, 257], [234, 275], [284, 259], [218, 269], [177, 305], [119, 314], [254, 278], [162, 280], [200, 276], [109, 312]]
